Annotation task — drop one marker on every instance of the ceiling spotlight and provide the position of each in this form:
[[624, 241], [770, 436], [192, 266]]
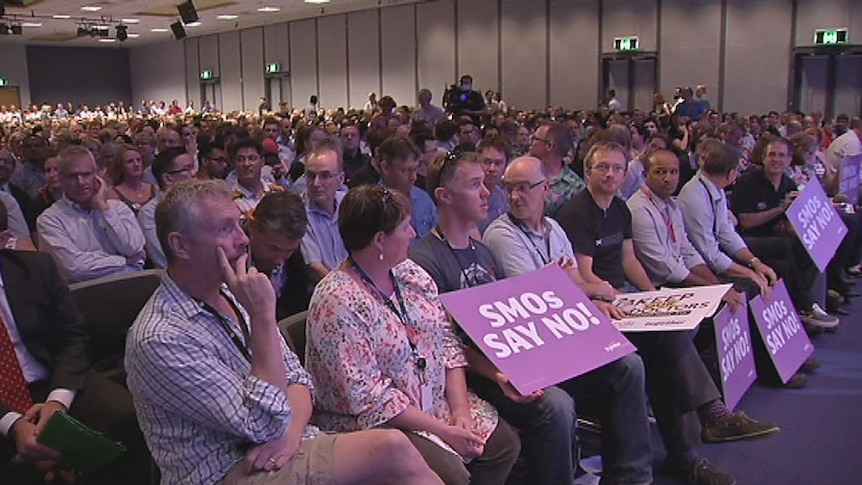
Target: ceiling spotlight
[[2, 10], [16, 29], [83, 31], [122, 33], [4, 29]]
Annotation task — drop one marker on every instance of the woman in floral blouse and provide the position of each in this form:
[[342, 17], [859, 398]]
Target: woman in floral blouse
[[383, 353]]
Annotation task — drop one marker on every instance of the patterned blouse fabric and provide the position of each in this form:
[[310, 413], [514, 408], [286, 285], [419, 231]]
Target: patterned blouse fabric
[[361, 360]]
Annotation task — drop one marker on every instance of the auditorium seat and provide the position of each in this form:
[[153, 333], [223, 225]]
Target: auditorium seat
[[293, 330], [109, 306]]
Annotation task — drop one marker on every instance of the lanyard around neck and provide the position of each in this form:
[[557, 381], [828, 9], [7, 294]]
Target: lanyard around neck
[[442, 237], [546, 237], [665, 214], [402, 315], [239, 342]]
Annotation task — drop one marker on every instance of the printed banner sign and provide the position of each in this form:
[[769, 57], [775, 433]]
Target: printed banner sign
[[817, 224], [538, 328], [848, 184], [783, 334], [668, 308], [735, 356]]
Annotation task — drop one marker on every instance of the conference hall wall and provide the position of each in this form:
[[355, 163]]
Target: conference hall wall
[[536, 52]]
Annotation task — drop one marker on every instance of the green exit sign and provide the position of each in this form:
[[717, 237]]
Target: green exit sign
[[830, 36], [4, 81], [273, 68], [626, 43], [206, 74]]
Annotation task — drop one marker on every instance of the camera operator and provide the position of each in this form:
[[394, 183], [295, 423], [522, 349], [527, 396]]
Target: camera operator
[[463, 100]]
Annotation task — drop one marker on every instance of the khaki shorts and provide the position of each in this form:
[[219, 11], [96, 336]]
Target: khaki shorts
[[313, 464]]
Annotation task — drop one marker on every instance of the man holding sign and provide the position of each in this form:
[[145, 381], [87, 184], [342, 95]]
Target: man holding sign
[[600, 228], [546, 417], [761, 198]]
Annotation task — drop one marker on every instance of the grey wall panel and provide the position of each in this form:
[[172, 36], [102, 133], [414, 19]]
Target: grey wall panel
[[826, 14], [848, 86], [524, 59], [208, 53], [252, 67], [758, 55], [623, 18], [303, 61], [77, 84], [332, 60], [193, 88], [230, 71], [13, 66], [276, 45], [690, 38], [478, 46], [363, 47], [159, 72], [436, 35], [398, 45], [574, 45]]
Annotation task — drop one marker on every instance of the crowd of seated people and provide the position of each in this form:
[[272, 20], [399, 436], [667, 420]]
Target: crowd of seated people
[[362, 218]]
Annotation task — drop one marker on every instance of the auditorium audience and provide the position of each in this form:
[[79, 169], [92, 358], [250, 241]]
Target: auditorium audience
[[396, 362], [87, 233], [252, 421], [398, 160], [546, 418], [249, 187]]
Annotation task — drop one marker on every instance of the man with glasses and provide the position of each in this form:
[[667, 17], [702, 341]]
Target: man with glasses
[[524, 240], [468, 134], [212, 161], [29, 176], [599, 225], [550, 144], [322, 247], [249, 187], [170, 167]]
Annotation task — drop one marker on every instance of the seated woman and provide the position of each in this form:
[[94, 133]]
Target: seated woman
[[128, 179], [48, 194], [383, 353]]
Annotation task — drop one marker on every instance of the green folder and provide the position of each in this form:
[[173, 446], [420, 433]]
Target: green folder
[[84, 450]]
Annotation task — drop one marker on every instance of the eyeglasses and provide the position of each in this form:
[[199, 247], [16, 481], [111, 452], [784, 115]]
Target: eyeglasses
[[323, 176], [605, 168], [538, 138], [522, 187]]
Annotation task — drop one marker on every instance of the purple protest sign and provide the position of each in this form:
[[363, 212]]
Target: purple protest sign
[[848, 184], [735, 358], [782, 332], [538, 328], [817, 224]]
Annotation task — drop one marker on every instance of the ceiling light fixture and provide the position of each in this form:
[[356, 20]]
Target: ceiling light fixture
[[227, 17], [192, 24], [134, 36], [91, 8], [62, 17], [316, 2], [122, 33], [107, 40], [268, 9], [158, 30], [31, 24], [131, 21], [16, 29]]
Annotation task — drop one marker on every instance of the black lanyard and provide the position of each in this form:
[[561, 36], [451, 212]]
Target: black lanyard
[[402, 315], [470, 283], [529, 237], [239, 342]]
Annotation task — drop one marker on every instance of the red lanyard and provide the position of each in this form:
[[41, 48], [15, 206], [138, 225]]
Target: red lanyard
[[668, 223]]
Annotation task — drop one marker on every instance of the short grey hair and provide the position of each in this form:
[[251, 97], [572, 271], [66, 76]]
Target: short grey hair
[[72, 153], [180, 209]]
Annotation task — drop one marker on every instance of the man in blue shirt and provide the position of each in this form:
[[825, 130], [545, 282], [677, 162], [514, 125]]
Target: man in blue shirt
[[399, 162]]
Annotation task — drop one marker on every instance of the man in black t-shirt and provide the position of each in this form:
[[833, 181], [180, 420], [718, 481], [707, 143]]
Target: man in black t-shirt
[[678, 384], [760, 201], [545, 418]]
